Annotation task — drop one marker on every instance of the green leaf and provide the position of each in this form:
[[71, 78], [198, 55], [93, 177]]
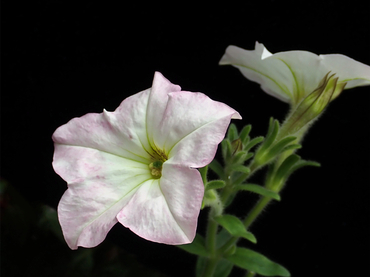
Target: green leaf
[[239, 157], [232, 133], [223, 267], [259, 190], [303, 163], [217, 168], [244, 134], [241, 168], [271, 133], [215, 184], [253, 261], [292, 147], [235, 227], [200, 266], [278, 147], [284, 169], [253, 143], [197, 247], [222, 237], [226, 148]]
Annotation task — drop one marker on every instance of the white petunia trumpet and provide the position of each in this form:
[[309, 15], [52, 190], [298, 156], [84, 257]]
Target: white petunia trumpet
[[290, 76], [138, 165]]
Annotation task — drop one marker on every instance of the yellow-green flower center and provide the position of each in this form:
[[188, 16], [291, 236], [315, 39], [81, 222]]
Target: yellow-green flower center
[[156, 169]]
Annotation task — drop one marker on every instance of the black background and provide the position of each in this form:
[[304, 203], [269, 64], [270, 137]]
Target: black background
[[62, 60]]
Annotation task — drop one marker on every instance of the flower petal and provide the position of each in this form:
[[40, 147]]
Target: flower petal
[[292, 75], [191, 127], [122, 132], [166, 210], [273, 76], [99, 185], [347, 70]]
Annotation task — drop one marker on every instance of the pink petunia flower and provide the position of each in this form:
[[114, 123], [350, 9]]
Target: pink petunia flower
[[138, 165]]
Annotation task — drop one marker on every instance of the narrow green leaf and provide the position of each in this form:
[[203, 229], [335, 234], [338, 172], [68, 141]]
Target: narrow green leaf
[[239, 157], [253, 143], [241, 168], [259, 190], [232, 133], [223, 267], [222, 237], [217, 168], [283, 171], [291, 147], [226, 148], [239, 178], [244, 134], [215, 184], [235, 227], [278, 147], [200, 266], [271, 133], [303, 163], [197, 247], [253, 261]]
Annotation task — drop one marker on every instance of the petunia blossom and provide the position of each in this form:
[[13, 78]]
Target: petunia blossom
[[138, 165], [290, 76]]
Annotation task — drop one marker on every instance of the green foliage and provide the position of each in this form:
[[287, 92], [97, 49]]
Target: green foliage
[[253, 261], [259, 190], [215, 184], [235, 227], [223, 267]]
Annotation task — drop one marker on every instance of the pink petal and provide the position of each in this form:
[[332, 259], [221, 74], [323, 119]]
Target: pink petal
[[191, 127], [166, 210], [99, 185], [122, 132]]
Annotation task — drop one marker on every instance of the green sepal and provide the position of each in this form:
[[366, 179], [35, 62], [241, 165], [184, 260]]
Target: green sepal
[[232, 133], [203, 172], [217, 168], [259, 190], [215, 184], [256, 262], [235, 227], [197, 247], [223, 267]]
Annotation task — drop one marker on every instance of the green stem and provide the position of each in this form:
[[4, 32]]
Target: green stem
[[250, 274], [211, 244]]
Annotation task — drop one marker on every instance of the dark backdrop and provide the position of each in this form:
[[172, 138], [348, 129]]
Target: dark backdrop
[[62, 60]]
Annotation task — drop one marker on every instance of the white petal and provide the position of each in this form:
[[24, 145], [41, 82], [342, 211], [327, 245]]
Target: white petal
[[99, 185], [166, 210]]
